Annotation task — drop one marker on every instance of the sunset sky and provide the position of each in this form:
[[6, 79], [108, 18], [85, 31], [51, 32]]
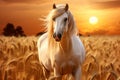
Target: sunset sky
[[27, 13]]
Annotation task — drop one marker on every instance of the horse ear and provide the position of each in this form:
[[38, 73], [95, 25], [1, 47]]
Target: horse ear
[[54, 6], [66, 7]]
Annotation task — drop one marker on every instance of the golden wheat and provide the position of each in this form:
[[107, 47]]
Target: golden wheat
[[19, 59]]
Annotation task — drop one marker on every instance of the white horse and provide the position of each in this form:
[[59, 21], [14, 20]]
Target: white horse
[[60, 50]]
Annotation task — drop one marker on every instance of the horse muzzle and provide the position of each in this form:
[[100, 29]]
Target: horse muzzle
[[57, 37]]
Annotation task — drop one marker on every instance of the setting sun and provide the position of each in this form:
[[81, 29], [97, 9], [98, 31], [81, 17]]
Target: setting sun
[[93, 20]]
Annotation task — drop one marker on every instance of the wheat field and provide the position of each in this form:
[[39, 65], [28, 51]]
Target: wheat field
[[19, 59]]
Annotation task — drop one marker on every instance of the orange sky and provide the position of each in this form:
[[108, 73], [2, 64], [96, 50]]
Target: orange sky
[[26, 13]]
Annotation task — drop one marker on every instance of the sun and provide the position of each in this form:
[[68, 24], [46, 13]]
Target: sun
[[93, 20]]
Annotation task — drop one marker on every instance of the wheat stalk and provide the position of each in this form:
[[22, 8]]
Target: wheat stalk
[[118, 70], [94, 58], [89, 66], [27, 57], [111, 76], [13, 61], [95, 76]]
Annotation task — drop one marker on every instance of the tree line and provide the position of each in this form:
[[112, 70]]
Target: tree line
[[10, 30]]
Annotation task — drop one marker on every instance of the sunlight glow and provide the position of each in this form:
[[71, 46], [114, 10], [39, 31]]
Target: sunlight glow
[[93, 20]]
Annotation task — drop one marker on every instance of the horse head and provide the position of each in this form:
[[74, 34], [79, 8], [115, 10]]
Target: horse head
[[60, 23]]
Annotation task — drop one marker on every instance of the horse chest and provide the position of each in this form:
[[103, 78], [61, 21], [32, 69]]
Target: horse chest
[[66, 64]]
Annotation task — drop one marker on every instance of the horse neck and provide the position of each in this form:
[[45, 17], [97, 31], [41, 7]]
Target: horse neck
[[66, 43]]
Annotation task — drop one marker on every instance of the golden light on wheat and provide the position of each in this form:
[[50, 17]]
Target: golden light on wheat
[[19, 59]]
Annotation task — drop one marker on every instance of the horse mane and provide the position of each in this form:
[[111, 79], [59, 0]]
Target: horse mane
[[56, 13]]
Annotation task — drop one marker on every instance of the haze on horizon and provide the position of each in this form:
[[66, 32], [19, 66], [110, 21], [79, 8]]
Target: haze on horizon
[[26, 13]]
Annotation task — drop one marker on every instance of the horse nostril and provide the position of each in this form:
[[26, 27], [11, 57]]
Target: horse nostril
[[59, 36], [54, 35]]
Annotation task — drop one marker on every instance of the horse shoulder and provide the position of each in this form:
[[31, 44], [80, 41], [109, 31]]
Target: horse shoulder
[[78, 47]]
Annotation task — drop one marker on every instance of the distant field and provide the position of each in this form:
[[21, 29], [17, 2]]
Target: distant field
[[19, 60]]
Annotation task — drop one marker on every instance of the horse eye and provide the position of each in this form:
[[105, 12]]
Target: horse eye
[[53, 19], [65, 19]]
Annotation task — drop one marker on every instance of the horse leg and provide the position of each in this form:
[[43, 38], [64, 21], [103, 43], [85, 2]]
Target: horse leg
[[77, 73], [56, 78], [46, 73], [57, 75]]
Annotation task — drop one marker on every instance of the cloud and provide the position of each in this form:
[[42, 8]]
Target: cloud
[[106, 4]]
